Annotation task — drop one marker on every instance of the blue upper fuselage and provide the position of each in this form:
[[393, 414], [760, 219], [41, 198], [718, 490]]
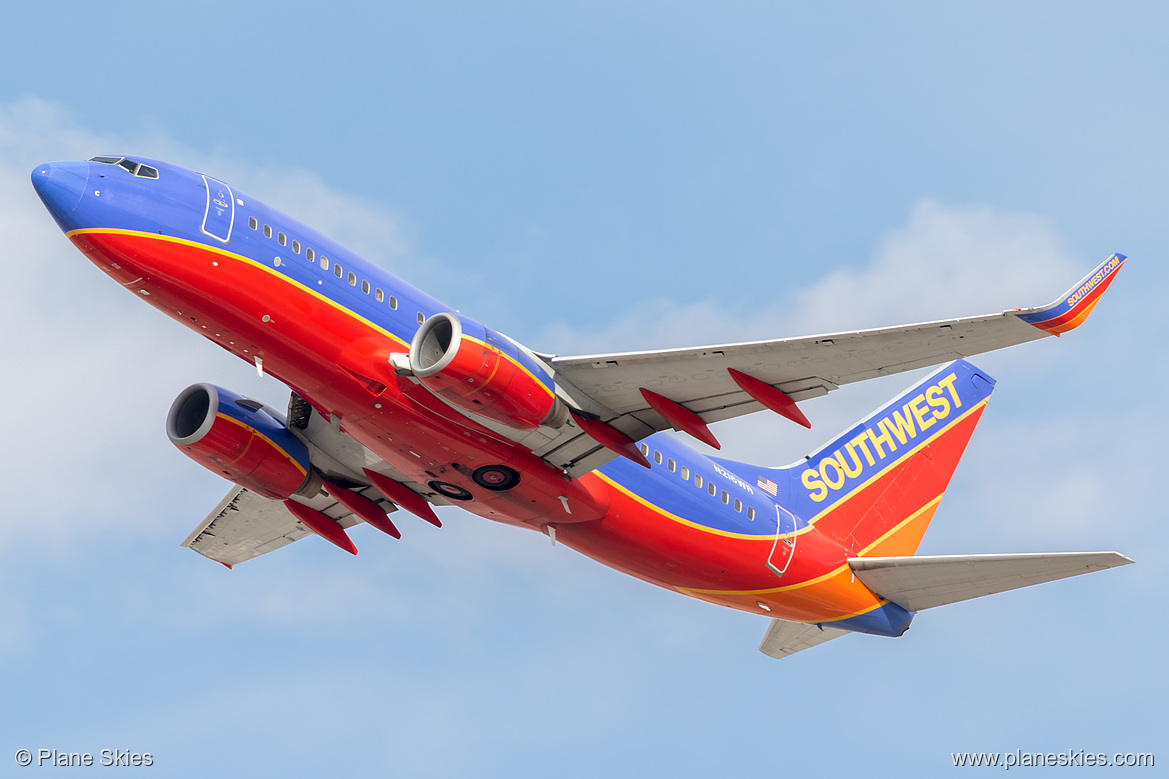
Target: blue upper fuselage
[[111, 193], [720, 494], [151, 196]]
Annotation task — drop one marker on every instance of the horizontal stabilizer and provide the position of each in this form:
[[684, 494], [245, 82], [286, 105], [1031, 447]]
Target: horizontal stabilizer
[[923, 582], [785, 638]]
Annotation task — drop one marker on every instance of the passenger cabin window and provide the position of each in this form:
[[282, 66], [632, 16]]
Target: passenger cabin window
[[379, 295], [352, 279], [644, 450], [726, 497], [296, 247], [711, 488], [421, 318], [685, 473], [337, 270], [267, 231], [738, 505], [657, 457], [365, 286], [310, 254], [252, 223], [750, 512], [282, 239], [324, 262], [393, 302], [698, 481], [671, 465]]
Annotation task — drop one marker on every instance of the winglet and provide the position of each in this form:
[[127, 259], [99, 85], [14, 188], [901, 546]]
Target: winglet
[[1071, 308]]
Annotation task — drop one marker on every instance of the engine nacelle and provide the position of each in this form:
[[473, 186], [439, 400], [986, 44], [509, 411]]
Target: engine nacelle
[[239, 440], [478, 370]]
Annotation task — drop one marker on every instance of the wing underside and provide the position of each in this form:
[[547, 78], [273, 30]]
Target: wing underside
[[699, 379], [245, 525]]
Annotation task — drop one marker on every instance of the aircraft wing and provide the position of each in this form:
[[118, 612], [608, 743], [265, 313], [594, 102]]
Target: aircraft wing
[[609, 385], [245, 525]]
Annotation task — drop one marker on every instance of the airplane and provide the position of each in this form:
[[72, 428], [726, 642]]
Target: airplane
[[399, 401]]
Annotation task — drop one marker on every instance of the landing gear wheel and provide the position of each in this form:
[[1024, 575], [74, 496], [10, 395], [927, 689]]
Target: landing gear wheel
[[496, 478], [448, 490]]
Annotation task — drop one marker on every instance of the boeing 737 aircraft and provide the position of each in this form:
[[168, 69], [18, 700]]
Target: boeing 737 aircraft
[[398, 401]]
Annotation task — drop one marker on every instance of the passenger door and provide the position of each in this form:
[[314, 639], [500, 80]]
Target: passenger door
[[220, 213]]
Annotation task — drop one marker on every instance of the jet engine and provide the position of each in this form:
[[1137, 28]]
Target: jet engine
[[478, 370], [242, 441]]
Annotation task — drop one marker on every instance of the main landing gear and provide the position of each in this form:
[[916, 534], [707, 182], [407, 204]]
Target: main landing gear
[[497, 478]]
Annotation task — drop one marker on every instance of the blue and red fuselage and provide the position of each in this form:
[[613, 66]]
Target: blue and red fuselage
[[325, 322]]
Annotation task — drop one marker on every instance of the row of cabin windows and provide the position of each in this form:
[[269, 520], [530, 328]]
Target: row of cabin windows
[[713, 490], [338, 271]]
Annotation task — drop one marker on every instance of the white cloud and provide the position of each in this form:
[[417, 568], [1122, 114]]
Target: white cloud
[[947, 261]]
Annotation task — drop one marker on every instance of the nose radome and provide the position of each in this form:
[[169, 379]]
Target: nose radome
[[60, 185]]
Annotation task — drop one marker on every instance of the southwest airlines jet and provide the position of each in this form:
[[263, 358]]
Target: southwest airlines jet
[[399, 401]]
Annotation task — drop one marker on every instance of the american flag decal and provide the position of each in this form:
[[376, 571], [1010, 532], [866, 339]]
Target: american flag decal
[[768, 486]]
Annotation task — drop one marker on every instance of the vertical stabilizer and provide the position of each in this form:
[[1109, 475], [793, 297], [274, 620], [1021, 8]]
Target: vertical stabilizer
[[876, 487]]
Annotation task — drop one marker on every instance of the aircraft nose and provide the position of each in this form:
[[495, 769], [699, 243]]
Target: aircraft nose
[[60, 185]]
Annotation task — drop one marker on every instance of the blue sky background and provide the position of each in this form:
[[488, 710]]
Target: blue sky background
[[600, 177]]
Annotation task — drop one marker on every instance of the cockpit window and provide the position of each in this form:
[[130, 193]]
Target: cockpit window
[[134, 168]]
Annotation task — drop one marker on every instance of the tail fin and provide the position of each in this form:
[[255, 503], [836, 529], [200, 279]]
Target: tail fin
[[875, 488]]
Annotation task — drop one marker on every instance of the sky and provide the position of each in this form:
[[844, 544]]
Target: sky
[[592, 177]]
